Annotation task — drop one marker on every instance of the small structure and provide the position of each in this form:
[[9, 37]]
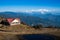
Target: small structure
[[13, 21]]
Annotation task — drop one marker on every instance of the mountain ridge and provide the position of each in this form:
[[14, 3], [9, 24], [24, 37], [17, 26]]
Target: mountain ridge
[[35, 18]]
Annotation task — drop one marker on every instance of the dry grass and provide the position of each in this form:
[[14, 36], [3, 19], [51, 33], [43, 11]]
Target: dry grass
[[24, 29], [16, 28], [9, 33]]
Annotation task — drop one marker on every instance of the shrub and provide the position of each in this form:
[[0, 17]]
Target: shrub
[[37, 26]]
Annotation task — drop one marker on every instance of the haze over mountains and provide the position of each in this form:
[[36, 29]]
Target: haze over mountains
[[35, 17]]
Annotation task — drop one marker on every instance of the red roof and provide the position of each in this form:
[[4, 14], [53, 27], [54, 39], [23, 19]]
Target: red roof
[[10, 20]]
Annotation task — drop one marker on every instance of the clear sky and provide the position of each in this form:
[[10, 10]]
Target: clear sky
[[22, 5]]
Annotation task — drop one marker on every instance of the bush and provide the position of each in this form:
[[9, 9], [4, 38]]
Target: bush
[[50, 26], [37, 26]]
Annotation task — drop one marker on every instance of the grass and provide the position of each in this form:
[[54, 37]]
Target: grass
[[9, 33], [24, 29]]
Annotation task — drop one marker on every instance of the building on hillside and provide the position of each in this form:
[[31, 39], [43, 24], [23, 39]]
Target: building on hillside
[[13, 21]]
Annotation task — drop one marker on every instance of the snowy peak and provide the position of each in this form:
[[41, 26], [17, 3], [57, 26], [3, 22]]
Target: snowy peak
[[42, 11]]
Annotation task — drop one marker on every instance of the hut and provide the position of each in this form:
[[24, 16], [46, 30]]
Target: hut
[[13, 21]]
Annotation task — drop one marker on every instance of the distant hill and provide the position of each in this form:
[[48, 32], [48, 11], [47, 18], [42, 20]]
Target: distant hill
[[35, 18]]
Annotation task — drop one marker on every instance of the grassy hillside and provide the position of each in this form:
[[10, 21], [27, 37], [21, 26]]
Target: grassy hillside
[[24, 29], [10, 32]]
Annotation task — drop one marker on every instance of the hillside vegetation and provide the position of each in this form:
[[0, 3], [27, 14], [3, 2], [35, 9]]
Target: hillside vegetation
[[24, 29], [10, 32]]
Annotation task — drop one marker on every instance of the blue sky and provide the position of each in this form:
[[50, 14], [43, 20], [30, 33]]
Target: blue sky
[[22, 5]]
